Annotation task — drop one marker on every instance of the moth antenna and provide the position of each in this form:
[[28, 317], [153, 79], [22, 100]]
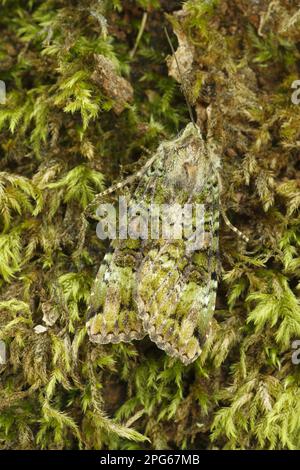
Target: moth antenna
[[232, 227], [225, 217], [181, 77]]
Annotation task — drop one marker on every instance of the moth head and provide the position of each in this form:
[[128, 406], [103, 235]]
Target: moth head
[[191, 170], [182, 162]]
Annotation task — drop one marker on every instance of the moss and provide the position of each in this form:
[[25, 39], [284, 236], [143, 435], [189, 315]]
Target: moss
[[65, 135]]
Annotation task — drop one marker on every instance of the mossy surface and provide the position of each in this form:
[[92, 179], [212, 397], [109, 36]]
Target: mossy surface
[[66, 134]]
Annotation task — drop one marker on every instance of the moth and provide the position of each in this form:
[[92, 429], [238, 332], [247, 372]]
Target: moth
[[158, 287]]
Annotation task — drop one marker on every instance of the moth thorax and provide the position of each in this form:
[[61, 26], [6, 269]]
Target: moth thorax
[[191, 170]]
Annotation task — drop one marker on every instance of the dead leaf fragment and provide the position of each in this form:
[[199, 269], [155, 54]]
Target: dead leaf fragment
[[114, 86]]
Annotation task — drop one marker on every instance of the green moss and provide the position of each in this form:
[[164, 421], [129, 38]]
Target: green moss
[[64, 137]]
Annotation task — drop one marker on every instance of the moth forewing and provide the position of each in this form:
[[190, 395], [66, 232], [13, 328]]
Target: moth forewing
[[175, 289], [112, 314]]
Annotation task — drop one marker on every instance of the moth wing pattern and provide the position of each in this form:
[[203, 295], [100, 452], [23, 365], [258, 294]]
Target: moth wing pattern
[[176, 290], [112, 314], [169, 293]]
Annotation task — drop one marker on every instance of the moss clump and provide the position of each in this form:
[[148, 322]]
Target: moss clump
[[66, 133]]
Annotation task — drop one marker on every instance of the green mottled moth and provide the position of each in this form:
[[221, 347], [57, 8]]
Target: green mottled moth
[[158, 287]]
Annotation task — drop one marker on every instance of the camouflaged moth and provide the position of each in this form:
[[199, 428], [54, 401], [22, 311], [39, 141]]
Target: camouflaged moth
[[159, 287]]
